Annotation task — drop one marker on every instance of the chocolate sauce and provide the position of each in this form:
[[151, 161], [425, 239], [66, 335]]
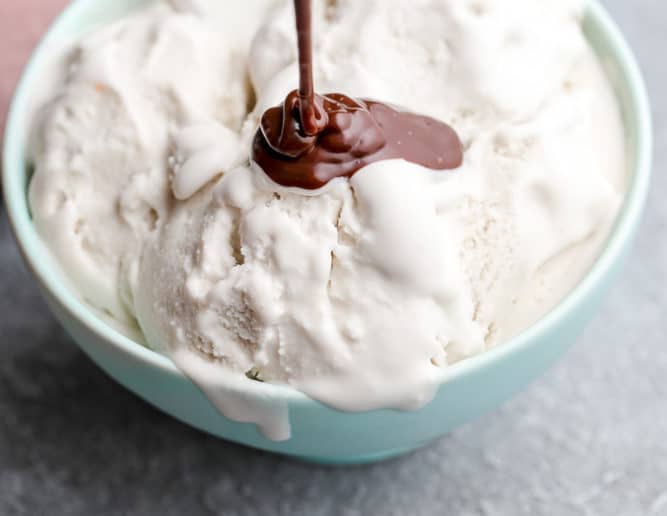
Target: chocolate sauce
[[312, 139], [311, 116]]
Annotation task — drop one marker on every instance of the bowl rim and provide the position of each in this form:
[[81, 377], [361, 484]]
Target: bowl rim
[[30, 246]]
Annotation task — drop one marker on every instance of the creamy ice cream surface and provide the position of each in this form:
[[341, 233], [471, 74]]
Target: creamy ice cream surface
[[362, 293], [103, 141]]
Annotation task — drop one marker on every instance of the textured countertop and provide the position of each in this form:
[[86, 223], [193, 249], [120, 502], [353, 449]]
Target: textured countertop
[[589, 438]]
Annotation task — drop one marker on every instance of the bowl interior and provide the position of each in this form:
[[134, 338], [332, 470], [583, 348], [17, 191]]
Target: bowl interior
[[82, 15]]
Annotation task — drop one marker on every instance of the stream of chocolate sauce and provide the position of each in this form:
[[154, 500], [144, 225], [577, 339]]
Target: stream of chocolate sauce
[[311, 139]]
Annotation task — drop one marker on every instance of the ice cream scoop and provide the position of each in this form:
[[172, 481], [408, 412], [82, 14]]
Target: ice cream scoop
[[359, 293]]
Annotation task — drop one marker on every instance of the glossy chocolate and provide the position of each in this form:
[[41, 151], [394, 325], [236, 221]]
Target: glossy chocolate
[[311, 139]]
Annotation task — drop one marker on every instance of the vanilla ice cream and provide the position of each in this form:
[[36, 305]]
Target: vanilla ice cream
[[360, 294], [102, 142]]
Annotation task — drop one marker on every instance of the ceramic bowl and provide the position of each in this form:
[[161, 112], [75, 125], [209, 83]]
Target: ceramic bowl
[[320, 433]]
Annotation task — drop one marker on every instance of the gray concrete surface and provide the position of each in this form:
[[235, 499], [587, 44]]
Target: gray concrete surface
[[590, 438]]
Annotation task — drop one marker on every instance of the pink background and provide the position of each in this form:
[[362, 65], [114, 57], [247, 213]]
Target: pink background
[[22, 22]]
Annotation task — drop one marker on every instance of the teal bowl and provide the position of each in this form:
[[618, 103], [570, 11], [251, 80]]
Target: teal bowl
[[319, 433]]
